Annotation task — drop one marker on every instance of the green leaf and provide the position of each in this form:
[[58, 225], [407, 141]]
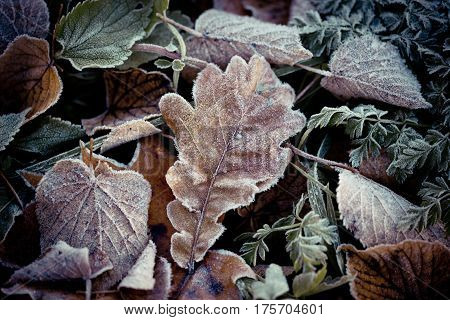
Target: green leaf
[[47, 134], [273, 286], [178, 65], [309, 283], [9, 125], [161, 36], [159, 6], [100, 33], [163, 63]]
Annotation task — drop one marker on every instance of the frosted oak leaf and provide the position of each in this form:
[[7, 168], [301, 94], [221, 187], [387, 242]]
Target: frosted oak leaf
[[229, 148], [101, 209]]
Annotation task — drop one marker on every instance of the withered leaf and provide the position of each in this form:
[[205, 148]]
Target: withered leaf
[[9, 125], [373, 212], [101, 209], [130, 95], [129, 131], [229, 148], [274, 11], [226, 35], [18, 17], [216, 277], [28, 78], [152, 161], [61, 262], [368, 68], [149, 278], [408, 270]]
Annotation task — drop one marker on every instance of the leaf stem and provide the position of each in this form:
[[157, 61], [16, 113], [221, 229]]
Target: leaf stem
[[11, 188], [328, 163], [305, 90], [151, 48], [180, 26], [315, 70]]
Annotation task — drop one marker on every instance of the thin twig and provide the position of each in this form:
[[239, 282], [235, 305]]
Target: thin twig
[[329, 163], [180, 26], [11, 188], [305, 90]]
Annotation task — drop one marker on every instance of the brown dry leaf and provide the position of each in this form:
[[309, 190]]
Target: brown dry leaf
[[41, 291], [61, 262], [215, 278], [21, 245], [129, 131], [101, 209], [149, 278], [373, 212], [229, 148], [94, 159], [152, 161], [408, 270], [30, 178], [368, 68], [28, 78], [226, 35], [130, 95]]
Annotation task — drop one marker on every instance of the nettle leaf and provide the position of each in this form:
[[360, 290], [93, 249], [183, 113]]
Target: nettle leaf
[[47, 134], [161, 36], [18, 17], [28, 78], [62, 262], [367, 68], [226, 35], [408, 270], [100, 33], [374, 214], [216, 277], [129, 131], [130, 95], [99, 208], [273, 286], [9, 126], [229, 148]]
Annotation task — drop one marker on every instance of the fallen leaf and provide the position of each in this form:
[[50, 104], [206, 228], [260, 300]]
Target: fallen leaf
[[47, 134], [274, 11], [130, 95], [9, 126], [100, 34], [226, 35], [373, 212], [61, 262], [18, 17], [31, 178], [229, 148], [152, 161], [273, 286], [95, 159], [43, 292], [408, 270], [368, 68], [129, 131], [28, 78], [215, 278], [21, 245], [375, 169], [101, 209], [149, 278]]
